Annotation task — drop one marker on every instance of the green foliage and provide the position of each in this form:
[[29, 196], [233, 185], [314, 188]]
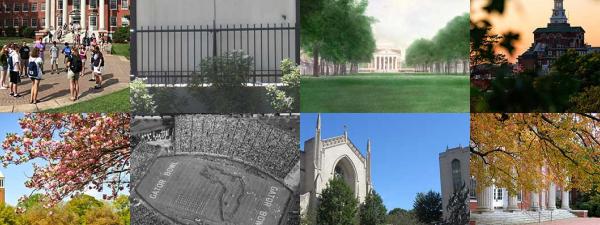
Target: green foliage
[[27, 32], [287, 98], [402, 217], [11, 31], [337, 204], [458, 207], [8, 215], [142, 102], [82, 204], [101, 216], [121, 35], [428, 207], [372, 211], [121, 205], [586, 101], [230, 70], [32, 201]]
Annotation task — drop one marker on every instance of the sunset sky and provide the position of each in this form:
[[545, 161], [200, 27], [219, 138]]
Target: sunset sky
[[524, 16]]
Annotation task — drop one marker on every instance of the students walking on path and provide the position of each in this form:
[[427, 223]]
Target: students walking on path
[[13, 67], [35, 73], [74, 66], [67, 51], [24, 53], [3, 67], [98, 62]]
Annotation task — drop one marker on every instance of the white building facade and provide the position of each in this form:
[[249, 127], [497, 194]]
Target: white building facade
[[385, 60]]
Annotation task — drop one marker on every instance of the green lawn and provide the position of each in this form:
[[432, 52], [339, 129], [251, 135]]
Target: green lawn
[[115, 102], [385, 93], [121, 49], [18, 40]]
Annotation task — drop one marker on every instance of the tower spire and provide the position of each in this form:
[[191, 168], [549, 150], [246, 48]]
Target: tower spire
[[558, 13], [369, 186], [317, 147]]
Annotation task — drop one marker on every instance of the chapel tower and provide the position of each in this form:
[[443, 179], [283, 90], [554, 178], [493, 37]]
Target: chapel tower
[[2, 195], [558, 13]]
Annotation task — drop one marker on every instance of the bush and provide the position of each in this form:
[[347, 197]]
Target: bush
[[121, 35], [28, 32], [285, 99], [142, 102], [11, 32], [226, 71]]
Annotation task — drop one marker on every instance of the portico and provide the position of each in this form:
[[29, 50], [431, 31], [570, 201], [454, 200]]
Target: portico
[[86, 14]]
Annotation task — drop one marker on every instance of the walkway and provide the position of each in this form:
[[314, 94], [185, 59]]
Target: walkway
[[54, 88]]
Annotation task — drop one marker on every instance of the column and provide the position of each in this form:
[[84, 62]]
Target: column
[[543, 200], [83, 16], [47, 14], [552, 197], [512, 202], [101, 15], [64, 12], [565, 200], [485, 200], [52, 13], [534, 205]]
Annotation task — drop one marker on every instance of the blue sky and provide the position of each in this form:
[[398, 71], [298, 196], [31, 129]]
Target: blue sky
[[16, 175], [405, 148]]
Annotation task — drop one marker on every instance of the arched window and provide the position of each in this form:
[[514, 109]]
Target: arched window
[[456, 178]]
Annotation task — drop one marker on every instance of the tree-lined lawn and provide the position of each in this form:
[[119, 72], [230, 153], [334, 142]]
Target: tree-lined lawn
[[385, 93]]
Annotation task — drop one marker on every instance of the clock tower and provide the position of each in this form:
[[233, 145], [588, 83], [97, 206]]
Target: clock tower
[[2, 195]]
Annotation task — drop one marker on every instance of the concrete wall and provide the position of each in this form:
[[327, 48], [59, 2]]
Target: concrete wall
[[445, 159]]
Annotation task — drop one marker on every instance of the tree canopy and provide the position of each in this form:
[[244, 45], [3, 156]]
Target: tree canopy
[[337, 204], [372, 211], [428, 207], [449, 46], [528, 151]]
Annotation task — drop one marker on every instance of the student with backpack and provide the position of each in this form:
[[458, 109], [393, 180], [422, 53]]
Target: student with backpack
[[74, 66], [54, 57], [24, 53], [35, 73], [98, 62], [41, 47], [83, 56], [13, 67], [67, 52]]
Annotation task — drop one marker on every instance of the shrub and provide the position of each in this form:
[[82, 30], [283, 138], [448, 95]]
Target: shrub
[[121, 35], [11, 32], [28, 32], [284, 99], [225, 71], [142, 102]]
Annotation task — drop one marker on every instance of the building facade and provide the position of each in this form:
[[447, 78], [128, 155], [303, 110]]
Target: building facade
[[2, 191], [323, 159], [98, 16], [553, 41], [385, 60], [454, 172]]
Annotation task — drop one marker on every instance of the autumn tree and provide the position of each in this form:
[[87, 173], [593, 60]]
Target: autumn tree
[[79, 151], [529, 151], [101, 216]]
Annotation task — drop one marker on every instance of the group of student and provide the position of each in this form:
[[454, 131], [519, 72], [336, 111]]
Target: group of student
[[19, 61]]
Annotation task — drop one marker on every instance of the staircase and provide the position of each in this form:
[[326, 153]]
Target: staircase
[[69, 38], [520, 217]]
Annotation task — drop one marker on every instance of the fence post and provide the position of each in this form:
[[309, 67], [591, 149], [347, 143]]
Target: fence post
[[214, 30], [133, 41], [297, 32]]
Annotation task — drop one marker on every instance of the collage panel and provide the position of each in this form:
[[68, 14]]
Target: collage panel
[[539, 168], [64, 56], [215, 169], [206, 56], [65, 168], [535, 56], [384, 56]]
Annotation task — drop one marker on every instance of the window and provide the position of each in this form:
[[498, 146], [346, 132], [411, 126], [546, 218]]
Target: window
[[456, 176], [113, 4], [124, 4], [60, 4], [124, 21], [76, 4], [17, 7], [1, 183], [93, 21], [93, 4], [113, 21], [25, 22], [34, 7], [498, 194], [16, 22], [43, 6], [473, 189], [8, 23], [59, 21], [34, 22], [43, 22], [25, 7], [519, 196]]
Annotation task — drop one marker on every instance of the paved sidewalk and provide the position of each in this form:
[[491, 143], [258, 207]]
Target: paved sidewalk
[[575, 221], [54, 88]]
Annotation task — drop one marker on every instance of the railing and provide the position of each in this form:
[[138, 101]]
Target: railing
[[172, 55]]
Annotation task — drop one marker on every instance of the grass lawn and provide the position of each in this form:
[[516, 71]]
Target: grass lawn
[[121, 49], [18, 40], [115, 102], [385, 93]]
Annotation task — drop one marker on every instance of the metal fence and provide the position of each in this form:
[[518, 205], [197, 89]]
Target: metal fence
[[172, 54]]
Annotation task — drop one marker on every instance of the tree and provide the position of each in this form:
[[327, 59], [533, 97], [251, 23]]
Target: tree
[[372, 211], [337, 204], [458, 207], [528, 151], [8, 215], [428, 207], [57, 215], [101, 216], [82, 204], [80, 151], [402, 217], [121, 35], [121, 205], [586, 101]]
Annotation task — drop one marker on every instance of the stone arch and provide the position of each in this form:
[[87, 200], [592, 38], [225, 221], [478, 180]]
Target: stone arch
[[345, 168]]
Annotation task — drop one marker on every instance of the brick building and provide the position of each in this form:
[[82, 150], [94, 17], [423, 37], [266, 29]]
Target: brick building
[[99, 16]]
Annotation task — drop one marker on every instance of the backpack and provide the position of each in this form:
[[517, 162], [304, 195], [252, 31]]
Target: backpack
[[76, 64], [97, 61], [33, 69], [11, 65]]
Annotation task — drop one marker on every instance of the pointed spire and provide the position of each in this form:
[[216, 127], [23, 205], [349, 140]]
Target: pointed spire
[[369, 147], [346, 132], [319, 121]]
